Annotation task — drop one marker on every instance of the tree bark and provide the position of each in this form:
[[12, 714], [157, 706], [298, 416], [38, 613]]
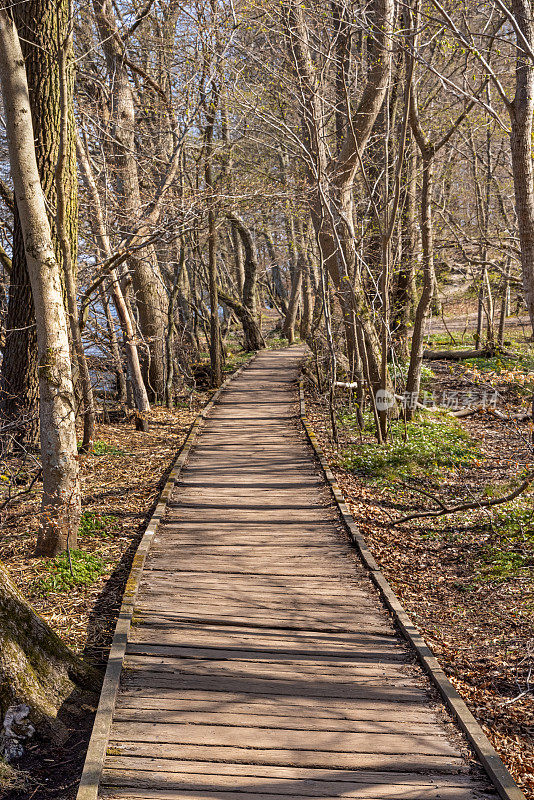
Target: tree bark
[[37, 669], [251, 327], [140, 397], [405, 286], [42, 27], [61, 502], [114, 347], [521, 111], [62, 226], [413, 380], [149, 294]]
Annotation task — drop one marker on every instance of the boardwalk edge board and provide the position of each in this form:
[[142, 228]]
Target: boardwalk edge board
[[488, 756], [96, 752]]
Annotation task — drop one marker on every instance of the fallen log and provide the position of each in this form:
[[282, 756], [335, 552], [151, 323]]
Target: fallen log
[[459, 355]]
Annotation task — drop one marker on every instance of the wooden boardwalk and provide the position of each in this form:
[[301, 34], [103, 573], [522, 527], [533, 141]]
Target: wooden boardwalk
[[261, 661]]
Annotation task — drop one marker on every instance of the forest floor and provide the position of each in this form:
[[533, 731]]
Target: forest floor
[[121, 481], [467, 580]]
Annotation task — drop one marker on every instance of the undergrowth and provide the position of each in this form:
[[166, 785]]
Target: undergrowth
[[94, 524], [509, 550], [86, 568], [429, 446], [277, 342], [105, 449]]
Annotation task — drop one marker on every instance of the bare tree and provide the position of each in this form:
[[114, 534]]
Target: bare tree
[[60, 510]]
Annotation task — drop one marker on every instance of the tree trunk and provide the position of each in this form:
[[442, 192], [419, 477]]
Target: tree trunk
[[19, 392], [238, 259], [149, 294], [140, 397], [61, 502], [288, 328], [62, 225], [249, 318], [521, 149], [521, 111], [278, 284], [504, 305], [307, 303], [405, 286], [413, 380], [114, 348], [37, 671], [42, 26]]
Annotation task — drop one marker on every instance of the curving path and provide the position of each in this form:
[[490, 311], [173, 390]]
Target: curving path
[[261, 662]]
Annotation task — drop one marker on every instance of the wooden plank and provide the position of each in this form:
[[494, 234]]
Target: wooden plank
[[294, 623], [152, 646], [154, 582], [322, 642], [299, 758], [312, 618], [223, 786], [296, 584], [252, 706], [321, 776], [130, 793], [367, 673], [287, 738], [166, 716], [274, 688]]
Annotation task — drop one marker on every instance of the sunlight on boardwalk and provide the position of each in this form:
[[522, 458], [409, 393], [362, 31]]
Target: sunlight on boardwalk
[[261, 661]]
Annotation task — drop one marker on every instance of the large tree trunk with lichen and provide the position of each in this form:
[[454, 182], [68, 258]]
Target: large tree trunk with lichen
[[42, 26], [38, 672], [61, 501]]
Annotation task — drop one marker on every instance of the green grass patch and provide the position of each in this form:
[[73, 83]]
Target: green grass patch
[[433, 445], [94, 524], [509, 551], [106, 449], [516, 372], [400, 372], [500, 563], [86, 568], [442, 341], [235, 360]]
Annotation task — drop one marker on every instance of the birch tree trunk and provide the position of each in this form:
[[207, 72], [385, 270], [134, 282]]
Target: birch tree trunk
[[42, 26], [61, 502]]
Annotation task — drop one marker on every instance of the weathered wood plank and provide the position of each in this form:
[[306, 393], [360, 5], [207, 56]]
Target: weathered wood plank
[[155, 646], [318, 775], [296, 708], [274, 688], [361, 673], [231, 785], [266, 738], [276, 722], [299, 758]]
